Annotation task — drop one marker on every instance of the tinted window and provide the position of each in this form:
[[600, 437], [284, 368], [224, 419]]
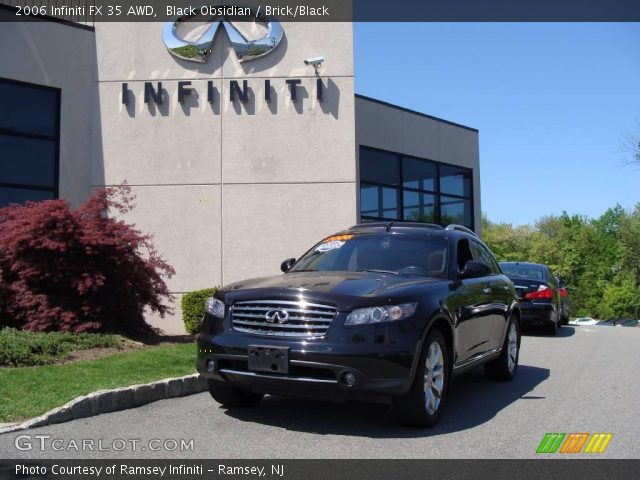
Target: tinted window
[[419, 174], [483, 255], [408, 254], [455, 210], [519, 270], [455, 181], [413, 189], [419, 207], [379, 167], [28, 142], [463, 253], [22, 195], [28, 109], [379, 202], [369, 200], [390, 203], [27, 161]]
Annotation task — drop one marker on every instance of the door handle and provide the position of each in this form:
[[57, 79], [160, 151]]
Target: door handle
[[487, 290]]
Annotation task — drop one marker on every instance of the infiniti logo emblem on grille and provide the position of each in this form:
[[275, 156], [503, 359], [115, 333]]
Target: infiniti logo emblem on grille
[[277, 316]]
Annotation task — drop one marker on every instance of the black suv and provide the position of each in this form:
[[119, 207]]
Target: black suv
[[381, 310]]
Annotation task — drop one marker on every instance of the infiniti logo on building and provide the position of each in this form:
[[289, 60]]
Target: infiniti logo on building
[[199, 50], [277, 316]]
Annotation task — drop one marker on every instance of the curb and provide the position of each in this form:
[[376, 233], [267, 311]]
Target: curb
[[104, 401]]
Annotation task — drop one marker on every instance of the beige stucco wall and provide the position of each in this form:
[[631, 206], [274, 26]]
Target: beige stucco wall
[[228, 190], [56, 55], [400, 131]]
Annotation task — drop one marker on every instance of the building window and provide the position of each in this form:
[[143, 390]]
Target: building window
[[29, 142], [399, 187]]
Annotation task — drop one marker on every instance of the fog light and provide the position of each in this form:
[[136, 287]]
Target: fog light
[[211, 366], [349, 379]]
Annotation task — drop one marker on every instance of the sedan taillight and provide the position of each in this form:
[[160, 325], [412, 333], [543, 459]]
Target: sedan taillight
[[563, 293], [543, 292]]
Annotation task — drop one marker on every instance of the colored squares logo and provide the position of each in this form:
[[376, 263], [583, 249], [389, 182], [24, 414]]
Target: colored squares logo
[[574, 443]]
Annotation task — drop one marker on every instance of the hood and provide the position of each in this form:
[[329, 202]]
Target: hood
[[344, 286]]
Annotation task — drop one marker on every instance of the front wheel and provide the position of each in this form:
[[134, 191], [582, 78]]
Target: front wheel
[[505, 366], [231, 396], [421, 407]]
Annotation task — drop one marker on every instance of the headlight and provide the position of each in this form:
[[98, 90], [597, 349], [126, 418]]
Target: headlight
[[387, 313], [214, 307]]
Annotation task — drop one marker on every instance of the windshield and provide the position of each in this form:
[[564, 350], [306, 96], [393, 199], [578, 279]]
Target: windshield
[[394, 253], [530, 272]]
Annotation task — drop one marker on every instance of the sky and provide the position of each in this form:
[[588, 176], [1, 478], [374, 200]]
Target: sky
[[553, 104]]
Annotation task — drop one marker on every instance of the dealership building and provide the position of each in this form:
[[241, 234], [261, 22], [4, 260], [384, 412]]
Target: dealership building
[[239, 152]]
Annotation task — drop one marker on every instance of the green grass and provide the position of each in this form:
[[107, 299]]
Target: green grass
[[31, 391]]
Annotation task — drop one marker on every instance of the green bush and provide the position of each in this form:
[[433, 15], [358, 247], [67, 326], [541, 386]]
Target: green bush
[[23, 348], [193, 308]]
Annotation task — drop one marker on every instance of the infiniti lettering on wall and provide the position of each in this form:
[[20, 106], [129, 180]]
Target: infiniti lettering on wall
[[239, 90]]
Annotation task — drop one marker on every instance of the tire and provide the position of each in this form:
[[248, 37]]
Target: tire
[[231, 396], [552, 328], [504, 367], [415, 409]]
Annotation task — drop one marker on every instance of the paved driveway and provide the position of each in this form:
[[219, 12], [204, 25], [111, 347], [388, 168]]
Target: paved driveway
[[583, 380]]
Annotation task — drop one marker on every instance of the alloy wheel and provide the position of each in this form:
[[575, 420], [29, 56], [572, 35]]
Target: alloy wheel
[[512, 347], [433, 378]]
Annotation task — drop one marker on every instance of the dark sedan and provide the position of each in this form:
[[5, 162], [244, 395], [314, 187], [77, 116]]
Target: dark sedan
[[382, 310], [539, 294]]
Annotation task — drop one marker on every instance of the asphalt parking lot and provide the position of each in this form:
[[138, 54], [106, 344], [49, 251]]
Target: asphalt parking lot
[[583, 380]]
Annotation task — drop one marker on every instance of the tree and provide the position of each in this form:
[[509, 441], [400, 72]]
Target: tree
[[508, 243], [599, 259], [621, 299], [632, 145], [81, 270]]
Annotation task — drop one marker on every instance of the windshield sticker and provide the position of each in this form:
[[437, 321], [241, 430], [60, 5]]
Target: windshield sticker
[[337, 237], [333, 245]]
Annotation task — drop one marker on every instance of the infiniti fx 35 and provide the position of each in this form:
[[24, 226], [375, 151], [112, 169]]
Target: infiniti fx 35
[[378, 311]]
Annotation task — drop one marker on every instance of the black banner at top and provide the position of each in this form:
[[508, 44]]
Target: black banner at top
[[90, 11]]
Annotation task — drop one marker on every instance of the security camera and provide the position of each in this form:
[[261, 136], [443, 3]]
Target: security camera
[[315, 61]]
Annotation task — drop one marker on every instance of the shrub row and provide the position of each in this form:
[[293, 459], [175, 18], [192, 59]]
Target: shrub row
[[22, 348], [193, 308]]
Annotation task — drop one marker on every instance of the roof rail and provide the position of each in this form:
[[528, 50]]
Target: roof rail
[[461, 228], [396, 223]]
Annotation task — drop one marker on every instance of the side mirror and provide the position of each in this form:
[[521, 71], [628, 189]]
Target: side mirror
[[473, 269], [287, 264]]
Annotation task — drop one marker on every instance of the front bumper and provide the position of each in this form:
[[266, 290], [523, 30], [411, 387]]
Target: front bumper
[[316, 366]]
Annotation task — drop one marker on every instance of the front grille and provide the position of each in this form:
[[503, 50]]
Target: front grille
[[304, 319]]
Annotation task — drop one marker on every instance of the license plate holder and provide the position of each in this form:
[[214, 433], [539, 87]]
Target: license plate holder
[[264, 358]]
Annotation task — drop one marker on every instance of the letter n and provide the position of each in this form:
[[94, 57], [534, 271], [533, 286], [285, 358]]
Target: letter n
[[242, 93], [152, 95]]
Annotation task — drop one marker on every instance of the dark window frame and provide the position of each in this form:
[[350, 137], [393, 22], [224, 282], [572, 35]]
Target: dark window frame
[[492, 263], [55, 189], [401, 188]]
